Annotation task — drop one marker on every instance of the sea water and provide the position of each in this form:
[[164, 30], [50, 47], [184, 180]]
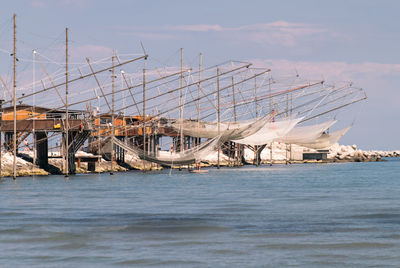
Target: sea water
[[303, 215]]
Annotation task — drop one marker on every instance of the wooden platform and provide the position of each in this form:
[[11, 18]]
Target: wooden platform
[[53, 125]]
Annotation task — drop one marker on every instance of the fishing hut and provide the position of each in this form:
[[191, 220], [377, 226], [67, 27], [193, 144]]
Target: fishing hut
[[41, 123]]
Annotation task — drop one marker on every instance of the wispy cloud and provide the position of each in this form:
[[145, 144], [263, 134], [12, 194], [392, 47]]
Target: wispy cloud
[[195, 28], [63, 3], [77, 3], [274, 33], [154, 36], [38, 4]]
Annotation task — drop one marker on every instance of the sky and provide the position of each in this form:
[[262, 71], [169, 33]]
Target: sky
[[348, 40]]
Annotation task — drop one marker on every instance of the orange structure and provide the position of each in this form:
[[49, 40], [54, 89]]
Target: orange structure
[[123, 125]]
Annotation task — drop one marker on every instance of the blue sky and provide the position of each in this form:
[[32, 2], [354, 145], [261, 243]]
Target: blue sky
[[336, 40]]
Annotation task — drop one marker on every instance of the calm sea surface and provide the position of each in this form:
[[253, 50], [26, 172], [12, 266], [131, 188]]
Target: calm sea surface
[[311, 215]]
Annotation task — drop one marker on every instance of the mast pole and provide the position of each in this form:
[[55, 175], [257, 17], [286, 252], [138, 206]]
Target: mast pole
[[255, 96], [256, 147], [287, 115], [218, 116], [291, 114], [234, 99], [34, 103], [273, 116], [144, 117], [112, 113], [99, 127], [287, 105], [15, 99], [66, 107], [181, 103], [198, 96], [270, 93], [236, 148]]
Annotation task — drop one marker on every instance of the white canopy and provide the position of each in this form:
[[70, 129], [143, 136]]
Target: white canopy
[[326, 140], [270, 131], [305, 134]]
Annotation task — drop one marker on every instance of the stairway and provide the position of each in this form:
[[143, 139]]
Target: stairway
[[79, 140], [21, 136]]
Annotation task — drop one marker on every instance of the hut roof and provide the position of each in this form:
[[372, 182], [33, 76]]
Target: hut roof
[[37, 109]]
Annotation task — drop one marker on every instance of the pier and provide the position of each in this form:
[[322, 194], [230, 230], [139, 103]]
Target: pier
[[169, 116]]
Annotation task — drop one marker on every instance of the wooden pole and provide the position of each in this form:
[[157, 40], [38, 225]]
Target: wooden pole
[[34, 103], [291, 113], [99, 128], [181, 103], [270, 93], [15, 99], [255, 96], [234, 100], [66, 107], [144, 117], [112, 113], [287, 105], [198, 96], [270, 153], [124, 119], [273, 117], [218, 115], [256, 147], [287, 115], [235, 119]]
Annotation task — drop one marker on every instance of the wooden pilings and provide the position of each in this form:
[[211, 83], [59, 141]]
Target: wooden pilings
[[8, 141], [188, 143], [119, 153], [235, 152], [257, 151], [69, 153], [42, 149]]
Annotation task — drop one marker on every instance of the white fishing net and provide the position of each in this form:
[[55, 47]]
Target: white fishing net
[[326, 140], [186, 157], [270, 132], [305, 134]]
